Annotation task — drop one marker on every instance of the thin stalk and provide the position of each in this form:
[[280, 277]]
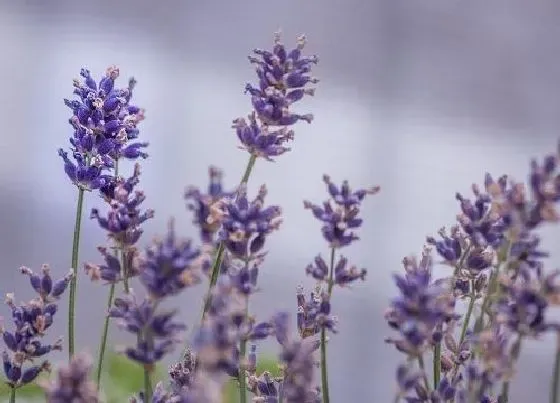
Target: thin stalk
[[124, 270], [103, 344], [492, 286], [423, 369], [147, 384], [468, 315], [515, 350], [324, 370], [242, 378], [437, 363], [74, 281], [554, 393], [221, 247], [13, 395]]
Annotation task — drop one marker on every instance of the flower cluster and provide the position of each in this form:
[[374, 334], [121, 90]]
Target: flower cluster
[[156, 331], [104, 124], [421, 308], [171, 265], [72, 383], [202, 204], [297, 383], [497, 259], [283, 78], [341, 218], [123, 224], [245, 224], [31, 321]]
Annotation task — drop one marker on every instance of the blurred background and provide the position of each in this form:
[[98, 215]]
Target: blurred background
[[419, 97]]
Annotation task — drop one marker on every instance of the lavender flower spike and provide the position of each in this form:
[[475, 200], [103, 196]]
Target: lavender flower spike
[[31, 322], [104, 122], [283, 77]]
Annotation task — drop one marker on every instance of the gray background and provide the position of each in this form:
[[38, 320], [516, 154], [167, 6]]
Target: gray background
[[420, 97]]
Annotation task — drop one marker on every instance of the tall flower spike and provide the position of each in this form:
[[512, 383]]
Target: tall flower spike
[[341, 218], [104, 122], [201, 204], [245, 224], [283, 77]]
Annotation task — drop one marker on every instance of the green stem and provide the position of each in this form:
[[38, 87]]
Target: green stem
[[147, 384], [13, 395], [437, 363], [221, 247], [104, 337], [556, 374], [125, 270], [468, 315], [515, 350], [74, 281], [423, 369], [324, 369]]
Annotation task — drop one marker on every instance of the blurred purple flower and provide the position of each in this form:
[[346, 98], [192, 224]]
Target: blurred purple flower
[[170, 265], [202, 203], [72, 383], [157, 333], [420, 308]]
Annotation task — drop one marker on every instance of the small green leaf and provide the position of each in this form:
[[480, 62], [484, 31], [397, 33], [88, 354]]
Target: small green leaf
[[124, 378]]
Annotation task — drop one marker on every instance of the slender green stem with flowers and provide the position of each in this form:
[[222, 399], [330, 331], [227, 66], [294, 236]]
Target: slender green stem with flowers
[[74, 265], [13, 395], [324, 369], [215, 270]]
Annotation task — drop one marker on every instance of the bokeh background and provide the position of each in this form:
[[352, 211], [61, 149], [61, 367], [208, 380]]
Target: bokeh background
[[420, 97]]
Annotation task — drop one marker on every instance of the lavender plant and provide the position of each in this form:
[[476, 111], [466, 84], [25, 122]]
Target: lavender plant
[[493, 255]]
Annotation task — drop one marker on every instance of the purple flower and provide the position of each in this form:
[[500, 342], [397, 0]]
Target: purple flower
[[283, 77], [182, 373], [523, 302], [170, 265], [72, 383], [420, 308], [112, 271], [297, 357], [216, 341], [202, 203], [341, 218], [259, 140], [245, 224], [104, 122], [343, 273], [314, 314], [124, 219], [156, 331], [31, 321]]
